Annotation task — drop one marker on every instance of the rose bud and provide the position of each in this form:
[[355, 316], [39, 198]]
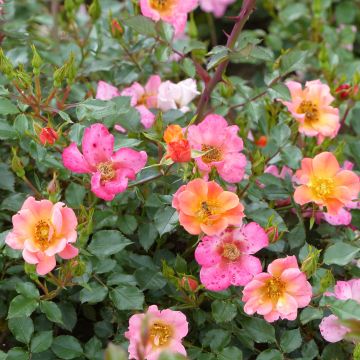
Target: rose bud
[[188, 283], [179, 151], [48, 135]]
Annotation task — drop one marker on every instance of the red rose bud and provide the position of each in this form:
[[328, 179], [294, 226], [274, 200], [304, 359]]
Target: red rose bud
[[48, 135], [188, 283], [272, 233], [179, 151], [261, 141], [345, 90], [116, 29]]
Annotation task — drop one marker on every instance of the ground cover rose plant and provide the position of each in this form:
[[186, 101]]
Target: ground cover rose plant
[[179, 180]]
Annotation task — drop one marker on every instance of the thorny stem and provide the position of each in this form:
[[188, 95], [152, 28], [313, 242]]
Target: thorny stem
[[349, 106], [247, 7]]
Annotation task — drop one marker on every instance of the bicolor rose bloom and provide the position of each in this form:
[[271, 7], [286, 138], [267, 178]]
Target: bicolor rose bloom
[[110, 171], [173, 12], [156, 331], [311, 108], [178, 148], [325, 183], [217, 7], [279, 292], [41, 230], [203, 206], [227, 259], [222, 146], [331, 328], [106, 91], [177, 96], [144, 98]]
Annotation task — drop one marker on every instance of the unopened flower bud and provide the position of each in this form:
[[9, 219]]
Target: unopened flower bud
[[344, 91], [5, 65], [78, 267], [173, 133], [273, 234], [95, 10], [179, 151], [188, 283], [48, 136], [116, 29], [261, 141], [310, 263], [36, 61]]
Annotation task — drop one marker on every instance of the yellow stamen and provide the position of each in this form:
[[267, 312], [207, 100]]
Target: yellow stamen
[[322, 187], [274, 288], [41, 234], [212, 154], [161, 5], [107, 171], [160, 334], [231, 252], [310, 110]]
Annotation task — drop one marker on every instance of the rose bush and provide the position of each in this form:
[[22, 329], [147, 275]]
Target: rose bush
[[179, 180]]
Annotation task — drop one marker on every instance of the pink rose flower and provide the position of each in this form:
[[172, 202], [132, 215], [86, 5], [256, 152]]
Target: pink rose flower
[[144, 98], [110, 171], [217, 7], [156, 331], [226, 259], [311, 108], [222, 145], [106, 91], [173, 12], [41, 230], [279, 292], [330, 327]]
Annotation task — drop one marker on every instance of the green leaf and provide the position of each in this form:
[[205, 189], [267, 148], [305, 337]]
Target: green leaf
[[292, 60], [127, 298], [343, 309], [66, 347], [7, 131], [51, 310], [166, 220], [309, 314], [107, 242], [165, 355], [28, 289], [7, 178], [74, 195], [223, 311], [218, 55], [230, 353], [290, 340], [147, 235], [344, 12], [21, 124], [21, 306], [150, 279], [17, 354], [260, 330], [291, 155], [127, 224], [280, 134], [217, 339], [7, 107], [41, 341], [340, 254], [270, 354], [189, 67], [95, 294], [141, 25], [68, 315], [22, 328]]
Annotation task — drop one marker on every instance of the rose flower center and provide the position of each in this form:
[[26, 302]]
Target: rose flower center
[[107, 171], [212, 154], [322, 187], [41, 234], [161, 5], [274, 288], [310, 110], [231, 252], [160, 334], [205, 212]]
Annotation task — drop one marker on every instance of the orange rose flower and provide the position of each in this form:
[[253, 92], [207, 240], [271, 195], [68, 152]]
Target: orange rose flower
[[204, 206], [173, 133], [325, 183]]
